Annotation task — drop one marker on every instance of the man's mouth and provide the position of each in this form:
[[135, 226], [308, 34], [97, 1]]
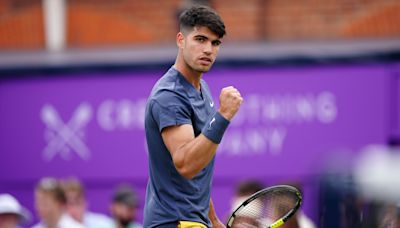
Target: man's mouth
[[206, 59]]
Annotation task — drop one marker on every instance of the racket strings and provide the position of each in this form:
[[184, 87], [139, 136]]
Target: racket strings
[[266, 209]]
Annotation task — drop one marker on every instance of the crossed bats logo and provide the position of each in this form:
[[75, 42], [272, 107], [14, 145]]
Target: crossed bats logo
[[63, 138]]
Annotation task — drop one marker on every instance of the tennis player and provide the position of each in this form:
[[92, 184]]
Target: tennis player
[[183, 129]]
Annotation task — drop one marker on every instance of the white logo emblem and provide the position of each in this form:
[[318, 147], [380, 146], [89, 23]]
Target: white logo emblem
[[211, 104], [211, 122], [61, 137]]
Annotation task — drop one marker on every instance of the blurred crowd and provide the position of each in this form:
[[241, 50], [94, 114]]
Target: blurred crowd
[[62, 203]]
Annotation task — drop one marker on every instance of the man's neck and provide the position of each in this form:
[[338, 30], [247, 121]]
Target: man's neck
[[193, 77]]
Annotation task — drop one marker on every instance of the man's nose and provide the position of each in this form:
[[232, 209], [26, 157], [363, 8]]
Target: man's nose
[[208, 48]]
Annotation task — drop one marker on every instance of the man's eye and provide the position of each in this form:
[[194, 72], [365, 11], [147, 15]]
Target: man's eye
[[201, 39], [216, 43]]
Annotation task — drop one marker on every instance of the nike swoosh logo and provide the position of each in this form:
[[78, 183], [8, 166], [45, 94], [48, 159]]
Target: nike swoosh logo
[[211, 122]]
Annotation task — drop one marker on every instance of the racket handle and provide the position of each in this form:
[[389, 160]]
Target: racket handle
[[277, 224]]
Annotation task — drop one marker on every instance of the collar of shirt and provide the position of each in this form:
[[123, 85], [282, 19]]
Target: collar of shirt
[[189, 88]]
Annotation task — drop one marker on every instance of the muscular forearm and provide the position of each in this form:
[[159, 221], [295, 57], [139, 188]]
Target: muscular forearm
[[194, 156]]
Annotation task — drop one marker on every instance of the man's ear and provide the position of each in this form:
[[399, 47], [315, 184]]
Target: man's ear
[[180, 40]]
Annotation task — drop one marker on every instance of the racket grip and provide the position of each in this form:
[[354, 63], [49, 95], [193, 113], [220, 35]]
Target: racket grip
[[277, 223]]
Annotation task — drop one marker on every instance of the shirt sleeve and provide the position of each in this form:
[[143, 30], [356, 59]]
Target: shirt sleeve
[[170, 112]]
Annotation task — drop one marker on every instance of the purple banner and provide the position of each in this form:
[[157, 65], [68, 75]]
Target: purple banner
[[292, 121], [396, 102], [90, 125], [93, 124]]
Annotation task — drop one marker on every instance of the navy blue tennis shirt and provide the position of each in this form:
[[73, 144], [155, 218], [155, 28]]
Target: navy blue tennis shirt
[[170, 197]]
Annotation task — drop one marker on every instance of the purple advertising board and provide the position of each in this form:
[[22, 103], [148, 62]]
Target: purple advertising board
[[396, 102], [90, 125]]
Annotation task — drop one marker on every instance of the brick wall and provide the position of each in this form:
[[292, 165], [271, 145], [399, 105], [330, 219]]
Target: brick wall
[[330, 19], [21, 24], [243, 19], [94, 23], [121, 22], [381, 21]]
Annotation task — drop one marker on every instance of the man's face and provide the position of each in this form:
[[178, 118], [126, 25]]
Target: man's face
[[76, 205], [122, 213], [8, 220], [199, 48], [46, 206]]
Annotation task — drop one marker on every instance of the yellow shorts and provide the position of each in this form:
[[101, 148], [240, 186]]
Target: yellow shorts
[[187, 224]]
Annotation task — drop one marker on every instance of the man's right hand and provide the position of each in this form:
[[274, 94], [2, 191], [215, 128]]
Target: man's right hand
[[230, 101]]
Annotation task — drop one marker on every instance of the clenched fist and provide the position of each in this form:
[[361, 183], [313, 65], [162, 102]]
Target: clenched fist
[[229, 102]]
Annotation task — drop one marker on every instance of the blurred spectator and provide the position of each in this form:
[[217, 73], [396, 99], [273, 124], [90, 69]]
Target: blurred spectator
[[377, 183], [340, 203], [50, 204], [11, 212], [124, 207], [300, 220], [243, 190], [389, 216], [77, 206]]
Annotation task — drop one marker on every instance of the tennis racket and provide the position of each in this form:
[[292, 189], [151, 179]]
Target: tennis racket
[[267, 208]]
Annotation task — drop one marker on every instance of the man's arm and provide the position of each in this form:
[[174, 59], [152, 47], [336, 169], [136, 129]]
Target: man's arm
[[191, 154]]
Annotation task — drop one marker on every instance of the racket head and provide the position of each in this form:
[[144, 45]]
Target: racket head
[[270, 207]]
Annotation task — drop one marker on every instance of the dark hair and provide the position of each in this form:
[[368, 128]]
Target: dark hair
[[248, 187], [124, 194], [202, 16]]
